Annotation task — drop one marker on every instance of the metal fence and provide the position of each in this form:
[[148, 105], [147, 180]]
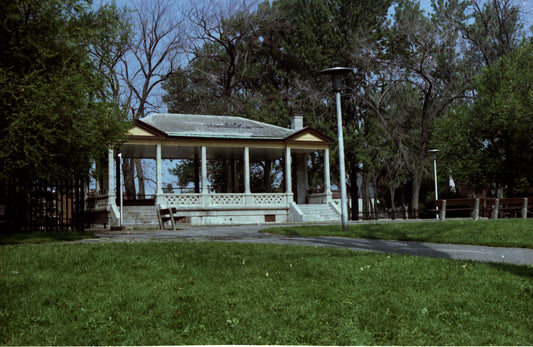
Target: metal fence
[[42, 206]]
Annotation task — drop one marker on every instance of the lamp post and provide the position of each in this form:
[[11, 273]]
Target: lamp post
[[119, 189], [337, 74], [434, 151]]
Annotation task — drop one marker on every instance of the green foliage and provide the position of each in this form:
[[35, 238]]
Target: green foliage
[[500, 233], [489, 144], [55, 116], [223, 293]]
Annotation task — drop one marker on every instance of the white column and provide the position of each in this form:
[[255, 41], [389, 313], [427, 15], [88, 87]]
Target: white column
[[288, 174], [159, 190], [111, 177], [327, 176], [159, 199], [246, 170], [204, 170]]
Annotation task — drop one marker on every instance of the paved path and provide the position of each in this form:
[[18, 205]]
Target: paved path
[[251, 234]]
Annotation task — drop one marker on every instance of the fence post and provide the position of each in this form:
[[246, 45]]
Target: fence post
[[443, 211], [495, 209], [524, 208], [476, 210]]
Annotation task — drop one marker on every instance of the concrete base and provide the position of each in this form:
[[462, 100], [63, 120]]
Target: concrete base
[[146, 216]]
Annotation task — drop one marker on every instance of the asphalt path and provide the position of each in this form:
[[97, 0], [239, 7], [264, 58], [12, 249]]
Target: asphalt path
[[252, 234]]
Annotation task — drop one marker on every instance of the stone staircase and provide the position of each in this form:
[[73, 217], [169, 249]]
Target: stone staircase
[[140, 216], [319, 213]]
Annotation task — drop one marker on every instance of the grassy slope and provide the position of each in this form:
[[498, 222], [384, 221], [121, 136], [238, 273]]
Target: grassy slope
[[501, 233], [218, 293]]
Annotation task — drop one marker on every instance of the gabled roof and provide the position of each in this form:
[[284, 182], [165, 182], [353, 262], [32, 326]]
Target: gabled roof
[[190, 127], [308, 135], [206, 126]]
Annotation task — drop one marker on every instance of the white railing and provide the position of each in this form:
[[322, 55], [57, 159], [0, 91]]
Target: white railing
[[184, 200], [228, 200]]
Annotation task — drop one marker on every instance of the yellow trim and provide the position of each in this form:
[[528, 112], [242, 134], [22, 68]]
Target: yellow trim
[[136, 131], [308, 137]]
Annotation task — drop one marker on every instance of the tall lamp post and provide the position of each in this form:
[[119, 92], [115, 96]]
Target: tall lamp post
[[337, 74], [434, 151]]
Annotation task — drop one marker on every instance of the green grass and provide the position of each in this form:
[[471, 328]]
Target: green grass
[[178, 293], [43, 237], [498, 233]]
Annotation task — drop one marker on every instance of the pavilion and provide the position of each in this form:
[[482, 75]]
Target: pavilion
[[203, 138]]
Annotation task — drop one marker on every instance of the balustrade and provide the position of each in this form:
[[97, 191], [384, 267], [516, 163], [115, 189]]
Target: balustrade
[[237, 200]]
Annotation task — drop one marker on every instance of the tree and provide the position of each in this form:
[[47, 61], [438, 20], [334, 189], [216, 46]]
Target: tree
[[56, 115], [489, 145], [492, 28], [264, 64], [151, 58], [430, 75]]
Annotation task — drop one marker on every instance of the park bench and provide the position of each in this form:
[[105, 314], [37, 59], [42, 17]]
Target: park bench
[[494, 208], [448, 205], [2, 216], [165, 214], [508, 207], [96, 217]]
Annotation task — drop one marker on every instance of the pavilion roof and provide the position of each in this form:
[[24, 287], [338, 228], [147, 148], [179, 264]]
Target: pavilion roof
[[208, 126]]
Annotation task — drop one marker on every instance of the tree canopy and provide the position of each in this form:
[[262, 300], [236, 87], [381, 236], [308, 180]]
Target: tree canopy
[[57, 114], [414, 67], [455, 77], [489, 144]]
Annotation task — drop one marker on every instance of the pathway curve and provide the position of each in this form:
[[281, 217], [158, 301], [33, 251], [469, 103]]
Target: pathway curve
[[251, 234]]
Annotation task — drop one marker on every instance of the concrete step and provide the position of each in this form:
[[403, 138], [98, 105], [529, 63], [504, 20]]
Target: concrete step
[[319, 213], [140, 216]]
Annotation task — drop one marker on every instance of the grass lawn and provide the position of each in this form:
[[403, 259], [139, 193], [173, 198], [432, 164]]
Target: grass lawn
[[178, 293], [43, 237], [498, 233]]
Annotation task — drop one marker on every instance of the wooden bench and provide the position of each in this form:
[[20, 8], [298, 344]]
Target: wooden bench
[[509, 206], [96, 217], [165, 214], [441, 206]]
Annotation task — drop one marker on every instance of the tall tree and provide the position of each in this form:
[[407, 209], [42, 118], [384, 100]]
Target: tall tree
[[433, 75], [155, 51], [489, 145], [56, 114], [492, 28]]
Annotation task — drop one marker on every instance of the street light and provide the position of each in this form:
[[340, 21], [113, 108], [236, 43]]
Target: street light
[[434, 151], [337, 74], [119, 190]]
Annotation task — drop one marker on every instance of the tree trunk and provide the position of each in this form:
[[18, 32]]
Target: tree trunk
[[128, 172], [140, 177], [366, 196], [415, 192], [354, 194], [392, 191], [266, 178]]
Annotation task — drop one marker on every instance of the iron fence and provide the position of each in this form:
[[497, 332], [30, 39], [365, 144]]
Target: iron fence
[[42, 206]]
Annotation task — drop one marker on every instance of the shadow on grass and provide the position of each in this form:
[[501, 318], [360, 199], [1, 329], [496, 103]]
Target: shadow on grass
[[517, 270], [381, 246], [42, 237]]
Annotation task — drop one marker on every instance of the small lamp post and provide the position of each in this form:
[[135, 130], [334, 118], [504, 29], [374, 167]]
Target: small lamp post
[[434, 151], [337, 74], [119, 190]]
